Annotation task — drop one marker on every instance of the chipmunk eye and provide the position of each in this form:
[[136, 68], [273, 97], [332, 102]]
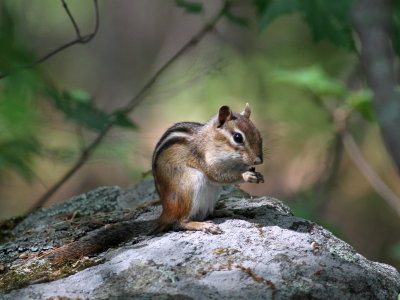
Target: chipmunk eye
[[238, 138]]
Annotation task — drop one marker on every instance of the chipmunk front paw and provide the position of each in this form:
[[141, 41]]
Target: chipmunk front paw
[[253, 176]]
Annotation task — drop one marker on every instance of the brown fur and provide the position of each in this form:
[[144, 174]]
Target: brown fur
[[101, 239], [205, 143], [184, 149]]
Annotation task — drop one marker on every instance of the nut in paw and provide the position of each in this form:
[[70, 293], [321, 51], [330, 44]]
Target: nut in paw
[[253, 177]]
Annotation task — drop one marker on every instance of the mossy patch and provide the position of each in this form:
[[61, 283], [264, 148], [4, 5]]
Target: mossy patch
[[40, 270]]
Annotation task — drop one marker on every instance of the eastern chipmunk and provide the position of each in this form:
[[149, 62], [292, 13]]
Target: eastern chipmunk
[[192, 161]]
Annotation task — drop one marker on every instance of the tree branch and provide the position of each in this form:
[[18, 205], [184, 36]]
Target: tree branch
[[71, 17], [131, 105], [78, 40], [372, 23], [138, 98], [374, 180], [332, 166], [340, 119]]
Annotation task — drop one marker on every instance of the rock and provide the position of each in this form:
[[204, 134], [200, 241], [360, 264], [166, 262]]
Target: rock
[[264, 252]]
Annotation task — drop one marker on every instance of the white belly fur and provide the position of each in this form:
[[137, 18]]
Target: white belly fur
[[205, 196]]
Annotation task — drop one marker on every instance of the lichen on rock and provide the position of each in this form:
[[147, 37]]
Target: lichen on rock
[[264, 252]]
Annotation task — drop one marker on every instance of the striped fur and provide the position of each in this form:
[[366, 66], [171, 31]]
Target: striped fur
[[191, 161], [179, 133]]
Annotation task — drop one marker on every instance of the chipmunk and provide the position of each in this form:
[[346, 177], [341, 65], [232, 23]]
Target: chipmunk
[[192, 161], [190, 164]]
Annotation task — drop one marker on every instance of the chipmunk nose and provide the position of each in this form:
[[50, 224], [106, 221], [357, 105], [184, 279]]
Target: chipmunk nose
[[258, 160]]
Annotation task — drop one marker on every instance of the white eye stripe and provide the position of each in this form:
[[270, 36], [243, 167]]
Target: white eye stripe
[[229, 135]]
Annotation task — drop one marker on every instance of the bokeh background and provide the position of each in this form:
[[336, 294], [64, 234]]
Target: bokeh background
[[283, 70]]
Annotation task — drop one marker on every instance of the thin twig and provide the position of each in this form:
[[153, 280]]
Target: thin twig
[[131, 105], [332, 166], [78, 40], [82, 159], [340, 117], [375, 181], [138, 98], [71, 17]]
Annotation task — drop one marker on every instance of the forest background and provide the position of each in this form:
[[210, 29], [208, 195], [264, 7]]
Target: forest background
[[88, 87]]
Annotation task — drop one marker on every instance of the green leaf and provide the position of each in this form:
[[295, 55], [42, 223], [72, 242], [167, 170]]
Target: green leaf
[[189, 6], [78, 96], [241, 21], [328, 20], [7, 24], [268, 12], [78, 107], [261, 5], [13, 52], [20, 110], [361, 101], [120, 119], [314, 79]]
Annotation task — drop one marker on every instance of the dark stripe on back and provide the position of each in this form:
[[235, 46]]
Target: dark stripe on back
[[173, 141], [186, 127]]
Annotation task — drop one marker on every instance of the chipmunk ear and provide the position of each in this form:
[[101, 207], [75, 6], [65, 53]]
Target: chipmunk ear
[[224, 115], [247, 111]]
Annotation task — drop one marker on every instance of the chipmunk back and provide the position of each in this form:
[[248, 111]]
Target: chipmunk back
[[192, 161]]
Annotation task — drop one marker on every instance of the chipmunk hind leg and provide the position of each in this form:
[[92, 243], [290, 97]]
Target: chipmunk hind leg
[[175, 208], [187, 202]]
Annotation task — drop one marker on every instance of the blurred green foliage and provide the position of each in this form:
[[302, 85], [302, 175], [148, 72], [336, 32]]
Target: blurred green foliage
[[190, 6], [327, 20], [78, 107], [322, 85], [241, 21], [193, 7], [361, 101], [314, 79], [13, 52], [19, 101], [23, 95]]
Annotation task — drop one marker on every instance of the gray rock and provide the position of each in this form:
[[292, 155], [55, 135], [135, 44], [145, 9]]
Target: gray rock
[[264, 252]]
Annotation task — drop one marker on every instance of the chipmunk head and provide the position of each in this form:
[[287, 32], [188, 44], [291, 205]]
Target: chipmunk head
[[237, 138]]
